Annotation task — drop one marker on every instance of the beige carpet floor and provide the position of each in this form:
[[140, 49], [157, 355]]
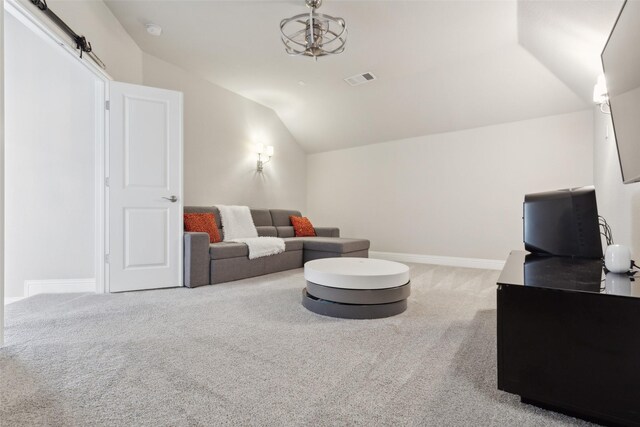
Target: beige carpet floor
[[247, 353]]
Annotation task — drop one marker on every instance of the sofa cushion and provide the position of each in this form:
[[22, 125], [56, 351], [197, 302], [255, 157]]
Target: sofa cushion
[[286, 231], [261, 217], [266, 231], [280, 217], [302, 226], [224, 250], [202, 223], [205, 209], [334, 244], [327, 231], [293, 244]]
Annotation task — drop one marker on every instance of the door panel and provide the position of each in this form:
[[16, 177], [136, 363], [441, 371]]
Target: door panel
[[146, 233], [145, 158], [146, 147]]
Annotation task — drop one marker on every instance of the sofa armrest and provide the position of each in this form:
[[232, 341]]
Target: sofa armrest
[[327, 231], [196, 259]]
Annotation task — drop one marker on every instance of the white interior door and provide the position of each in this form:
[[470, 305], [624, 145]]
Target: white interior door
[[144, 188]]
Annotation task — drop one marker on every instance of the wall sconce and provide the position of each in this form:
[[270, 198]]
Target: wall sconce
[[601, 95], [267, 151]]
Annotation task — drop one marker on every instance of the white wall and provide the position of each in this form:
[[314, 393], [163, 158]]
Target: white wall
[[2, 242], [619, 203], [49, 234], [455, 194], [220, 131], [220, 126], [50, 149], [108, 38]]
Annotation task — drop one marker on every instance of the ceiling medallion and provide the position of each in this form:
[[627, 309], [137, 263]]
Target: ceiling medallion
[[313, 34]]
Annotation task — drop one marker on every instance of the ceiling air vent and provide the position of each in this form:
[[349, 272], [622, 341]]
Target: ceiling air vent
[[359, 79]]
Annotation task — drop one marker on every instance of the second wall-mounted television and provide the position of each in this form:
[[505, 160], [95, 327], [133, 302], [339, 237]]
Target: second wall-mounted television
[[621, 64]]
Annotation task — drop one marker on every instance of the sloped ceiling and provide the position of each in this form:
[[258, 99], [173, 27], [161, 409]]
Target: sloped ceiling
[[568, 37], [441, 65]]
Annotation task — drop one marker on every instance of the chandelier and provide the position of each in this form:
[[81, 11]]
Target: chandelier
[[313, 34]]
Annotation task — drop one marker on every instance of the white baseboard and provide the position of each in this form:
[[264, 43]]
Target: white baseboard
[[487, 264], [8, 300], [34, 287]]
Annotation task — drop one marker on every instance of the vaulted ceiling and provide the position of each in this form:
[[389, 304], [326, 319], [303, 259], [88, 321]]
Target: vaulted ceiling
[[440, 65]]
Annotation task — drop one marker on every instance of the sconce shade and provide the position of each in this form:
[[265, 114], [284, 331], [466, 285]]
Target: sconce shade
[[266, 151], [600, 91]]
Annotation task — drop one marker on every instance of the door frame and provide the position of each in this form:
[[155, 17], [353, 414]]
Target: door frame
[[101, 140]]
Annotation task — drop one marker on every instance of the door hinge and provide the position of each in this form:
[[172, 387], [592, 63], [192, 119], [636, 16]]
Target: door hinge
[[107, 105], [106, 182], [106, 258]]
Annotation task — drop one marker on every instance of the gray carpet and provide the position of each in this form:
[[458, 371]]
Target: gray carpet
[[247, 353]]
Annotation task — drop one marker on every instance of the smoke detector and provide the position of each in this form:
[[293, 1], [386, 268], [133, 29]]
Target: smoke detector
[[359, 79], [153, 29]]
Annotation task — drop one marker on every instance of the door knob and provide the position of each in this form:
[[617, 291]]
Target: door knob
[[172, 199]]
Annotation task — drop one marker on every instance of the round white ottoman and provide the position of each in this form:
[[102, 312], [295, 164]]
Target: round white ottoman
[[356, 288]]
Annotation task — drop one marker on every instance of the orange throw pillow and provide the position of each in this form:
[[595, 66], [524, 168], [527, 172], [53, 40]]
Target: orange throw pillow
[[203, 223], [302, 226]]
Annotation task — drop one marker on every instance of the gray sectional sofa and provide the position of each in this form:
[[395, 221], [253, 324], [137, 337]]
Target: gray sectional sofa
[[206, 263]]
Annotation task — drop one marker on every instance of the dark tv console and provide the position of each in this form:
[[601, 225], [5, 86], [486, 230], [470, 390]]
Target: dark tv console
[[566, 342]]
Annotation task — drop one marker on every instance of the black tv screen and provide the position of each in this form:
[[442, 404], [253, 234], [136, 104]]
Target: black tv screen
[[621, 65], [562, 223]]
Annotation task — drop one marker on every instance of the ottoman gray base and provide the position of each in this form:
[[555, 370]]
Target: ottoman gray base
[[352, 311], [359, 296]]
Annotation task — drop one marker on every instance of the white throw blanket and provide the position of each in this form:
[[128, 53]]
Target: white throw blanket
[[238, 227], [262, 246], [237, 222]]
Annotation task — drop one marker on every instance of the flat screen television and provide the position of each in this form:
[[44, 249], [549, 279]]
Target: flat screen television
[[562, 223], [621, 65]]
